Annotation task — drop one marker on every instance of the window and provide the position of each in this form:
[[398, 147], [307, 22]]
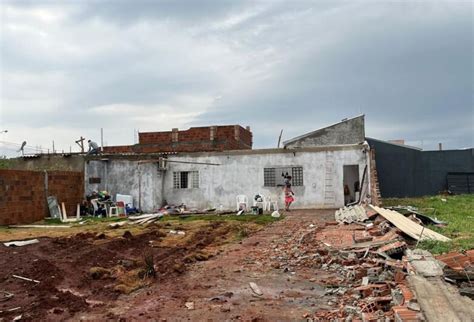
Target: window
[[93, 180], [185, 179], [275, 176]]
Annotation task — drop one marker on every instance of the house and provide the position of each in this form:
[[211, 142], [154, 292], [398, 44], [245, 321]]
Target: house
[[322, 164]]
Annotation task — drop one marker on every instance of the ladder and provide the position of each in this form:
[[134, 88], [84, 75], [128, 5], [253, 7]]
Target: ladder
[[329, 193]]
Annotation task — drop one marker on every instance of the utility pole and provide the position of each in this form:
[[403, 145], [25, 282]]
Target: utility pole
[[53, 147], [80, 142]]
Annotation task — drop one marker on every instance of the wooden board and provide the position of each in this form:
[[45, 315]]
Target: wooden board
[[409, 227]]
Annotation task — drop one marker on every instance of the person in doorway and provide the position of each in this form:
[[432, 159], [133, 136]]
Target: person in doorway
[[93, 147]]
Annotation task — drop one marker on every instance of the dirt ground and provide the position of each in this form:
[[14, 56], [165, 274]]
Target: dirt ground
[[93, 276]]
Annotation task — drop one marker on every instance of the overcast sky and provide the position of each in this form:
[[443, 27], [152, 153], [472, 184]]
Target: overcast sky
[[70, 68]]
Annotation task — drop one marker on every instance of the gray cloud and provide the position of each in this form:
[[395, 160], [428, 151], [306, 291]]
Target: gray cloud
[[70, 68]]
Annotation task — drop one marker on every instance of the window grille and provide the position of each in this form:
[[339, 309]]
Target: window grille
[[275, 176], [185, 179]]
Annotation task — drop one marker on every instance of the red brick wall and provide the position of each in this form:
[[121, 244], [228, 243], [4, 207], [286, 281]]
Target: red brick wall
[[195, 139], [68, 187], [22, 198], [118, 149], [23, 195]]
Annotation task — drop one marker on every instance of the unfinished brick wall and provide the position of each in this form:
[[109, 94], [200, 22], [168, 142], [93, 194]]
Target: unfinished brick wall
[[68, 187], [22, 198], [195, 139], [23, 194]]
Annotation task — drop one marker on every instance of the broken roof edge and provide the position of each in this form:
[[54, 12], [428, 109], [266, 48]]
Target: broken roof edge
[[316, 131], [396, 144], [227, 152]]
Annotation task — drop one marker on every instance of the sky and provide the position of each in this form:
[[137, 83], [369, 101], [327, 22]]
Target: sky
[[70, 68]]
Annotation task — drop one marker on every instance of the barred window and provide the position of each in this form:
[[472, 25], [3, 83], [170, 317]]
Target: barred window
[[186, 179], [297, 176], [276, 176]]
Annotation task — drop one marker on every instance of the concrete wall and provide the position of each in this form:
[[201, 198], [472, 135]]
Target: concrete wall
[[141, 180], [238, 173], [51, 162], [351, 131], [243, 174]]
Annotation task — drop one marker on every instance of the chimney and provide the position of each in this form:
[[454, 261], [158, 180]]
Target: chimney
[[440, 146], [174, 135]]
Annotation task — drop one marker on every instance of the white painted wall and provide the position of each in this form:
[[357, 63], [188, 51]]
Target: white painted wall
[[243, 174], [239, 172]]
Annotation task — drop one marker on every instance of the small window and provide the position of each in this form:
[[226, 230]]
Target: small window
[[273, 177], [185, 179], [93, 180]]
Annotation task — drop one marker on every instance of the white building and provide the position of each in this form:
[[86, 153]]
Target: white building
[[321, 163]]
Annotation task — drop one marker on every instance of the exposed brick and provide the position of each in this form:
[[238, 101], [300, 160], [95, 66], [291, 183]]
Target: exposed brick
[[24, 195], [195, 139]]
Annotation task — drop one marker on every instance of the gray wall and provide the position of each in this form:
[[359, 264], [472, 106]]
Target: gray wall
[[239, 172], [351, 131], [406, 172], [141, 180]]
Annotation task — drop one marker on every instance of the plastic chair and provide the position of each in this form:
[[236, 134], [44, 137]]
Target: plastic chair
[[113, 211], [122, 210], [95, 205], [242, 200], [272, 202]]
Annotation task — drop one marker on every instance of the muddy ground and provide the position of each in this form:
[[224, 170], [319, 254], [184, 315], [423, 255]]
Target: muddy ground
[[92, 276]]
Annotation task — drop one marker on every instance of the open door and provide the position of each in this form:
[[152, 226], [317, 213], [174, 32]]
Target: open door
[[351, 184]]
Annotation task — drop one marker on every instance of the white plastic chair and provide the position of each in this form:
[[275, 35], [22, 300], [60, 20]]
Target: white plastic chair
[[113, 211], [242, 200], [95, 205], [272, 202]]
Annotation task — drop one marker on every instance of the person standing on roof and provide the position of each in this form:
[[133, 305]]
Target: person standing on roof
[[93, 147]]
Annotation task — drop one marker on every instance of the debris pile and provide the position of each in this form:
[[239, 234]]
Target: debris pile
[[363, 257], [458, 268]]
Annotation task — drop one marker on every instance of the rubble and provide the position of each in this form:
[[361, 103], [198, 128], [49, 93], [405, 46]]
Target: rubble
[[366, 255], [351, 214]]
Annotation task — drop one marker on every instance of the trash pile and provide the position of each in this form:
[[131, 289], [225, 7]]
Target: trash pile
[[458, 269], [362, 260]]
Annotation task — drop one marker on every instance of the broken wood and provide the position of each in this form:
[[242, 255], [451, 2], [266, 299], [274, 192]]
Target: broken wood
[[25, 278], [19, 243], [39, 226], [6, 296], [255, 289], [12, 309], [409, 227]]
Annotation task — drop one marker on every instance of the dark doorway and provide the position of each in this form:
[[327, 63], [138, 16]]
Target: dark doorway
[[351, 183]]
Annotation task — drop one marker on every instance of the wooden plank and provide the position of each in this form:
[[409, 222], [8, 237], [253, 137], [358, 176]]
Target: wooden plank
[[409, 227]]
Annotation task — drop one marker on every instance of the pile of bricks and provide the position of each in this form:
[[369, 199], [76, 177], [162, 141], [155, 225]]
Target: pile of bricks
[[23, 194], [367, 266]]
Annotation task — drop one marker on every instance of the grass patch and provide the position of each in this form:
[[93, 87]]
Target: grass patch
[[257, 219], [457, 211]]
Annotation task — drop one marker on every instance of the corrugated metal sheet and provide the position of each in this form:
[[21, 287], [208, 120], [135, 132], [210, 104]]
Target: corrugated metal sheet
[[409, 227]]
